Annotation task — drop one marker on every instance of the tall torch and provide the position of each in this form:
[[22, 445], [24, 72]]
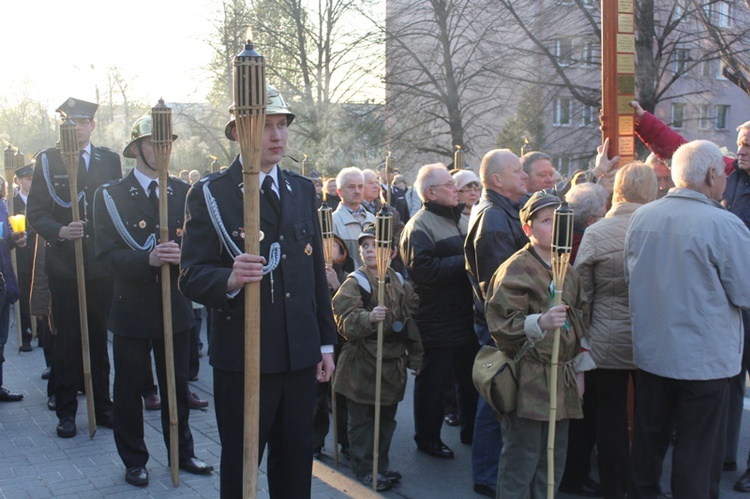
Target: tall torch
[[562, 245], [10, 166], [325, 217], [389, 167], [70, 154], [459, 158], [161, 137], [383, 237], [250, 116]]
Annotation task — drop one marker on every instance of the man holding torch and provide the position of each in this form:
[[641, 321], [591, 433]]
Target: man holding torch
[[297, 331], [49, 213], [126, 219]]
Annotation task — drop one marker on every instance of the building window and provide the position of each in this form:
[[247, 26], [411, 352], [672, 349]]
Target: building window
[[706, 69], [562, 111], [679, 60], [704, 116], [587, 115], [564, 51], [720, 14], [587, 57], [678, 115], [720, 119], [562, 163]]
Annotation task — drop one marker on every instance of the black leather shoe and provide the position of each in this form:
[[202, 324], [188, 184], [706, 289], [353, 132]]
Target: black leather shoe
[[317, 453], [46, 373], [743, 484], [104, 419], [392, 475], [590, 488], [484, 490], [137, 475], [196, 466], [66, 428], [452, 419], [382, 485], [8, 396], [436, 449], [51, 403], [346, 451], [26, 347], [152, 402], [195, 402]]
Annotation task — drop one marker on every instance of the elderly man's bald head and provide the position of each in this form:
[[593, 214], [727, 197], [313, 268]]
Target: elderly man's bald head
[[501, 172]]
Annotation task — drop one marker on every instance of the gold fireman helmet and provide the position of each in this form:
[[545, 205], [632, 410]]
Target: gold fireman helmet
[[274, 105], [140, 129]]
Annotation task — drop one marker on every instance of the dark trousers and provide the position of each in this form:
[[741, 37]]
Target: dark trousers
[[698, 411], [24, 286], [428, 391], [286, 407], [132, 361], [47, 340], [68, 363], [361, 428], [581, 439], [195, 340], [4, 325]]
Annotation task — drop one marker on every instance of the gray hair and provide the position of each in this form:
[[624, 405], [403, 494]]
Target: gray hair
[[692, 161], [346, 172], [586, 200], [530, 158], [635, 183], [426, 178]]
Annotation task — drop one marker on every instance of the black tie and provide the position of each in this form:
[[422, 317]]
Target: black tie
[[81, 161], [270, 195], [152, 197]]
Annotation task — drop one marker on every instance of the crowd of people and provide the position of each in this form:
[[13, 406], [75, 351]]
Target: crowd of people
[[653, 306]]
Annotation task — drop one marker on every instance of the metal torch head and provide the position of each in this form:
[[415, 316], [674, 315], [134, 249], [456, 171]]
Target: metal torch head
[[459, 158], [8, 156], [562, 229]]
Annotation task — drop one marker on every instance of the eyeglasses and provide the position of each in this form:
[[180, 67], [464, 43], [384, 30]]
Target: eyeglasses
[[466, 190], [449, 185], [81, 121]]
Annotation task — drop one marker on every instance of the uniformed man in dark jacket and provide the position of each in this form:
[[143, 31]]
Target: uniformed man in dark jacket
[[127, 226], [297, 328], [49, 214], [25, 255]]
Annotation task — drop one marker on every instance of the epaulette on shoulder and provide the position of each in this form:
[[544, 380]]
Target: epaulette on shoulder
[[113, 183], [292, 173], [105, 149]]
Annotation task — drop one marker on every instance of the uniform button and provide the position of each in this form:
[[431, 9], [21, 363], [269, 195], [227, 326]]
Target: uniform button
[[288, 295], [283, 257], [281, 238]]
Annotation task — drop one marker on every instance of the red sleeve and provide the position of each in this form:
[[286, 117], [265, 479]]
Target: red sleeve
[[658, 137], [664, 141]]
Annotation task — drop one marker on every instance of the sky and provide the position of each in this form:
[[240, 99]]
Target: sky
[[55, 49]]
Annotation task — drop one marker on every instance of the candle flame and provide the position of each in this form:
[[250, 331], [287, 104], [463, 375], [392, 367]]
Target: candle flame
[[389, 153], [249, 34], [458, 147], [305, 157]]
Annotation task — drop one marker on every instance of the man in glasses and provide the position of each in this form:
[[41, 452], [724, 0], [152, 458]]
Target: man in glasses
[[49, 213], [432, 251]]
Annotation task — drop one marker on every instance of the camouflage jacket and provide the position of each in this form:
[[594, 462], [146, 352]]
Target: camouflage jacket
[[355, 371], [521, 287]]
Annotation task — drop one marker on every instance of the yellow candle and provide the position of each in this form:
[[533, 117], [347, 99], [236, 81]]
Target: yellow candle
[[18, 223]]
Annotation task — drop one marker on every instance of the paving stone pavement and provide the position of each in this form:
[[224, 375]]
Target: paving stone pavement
[[36, 464]]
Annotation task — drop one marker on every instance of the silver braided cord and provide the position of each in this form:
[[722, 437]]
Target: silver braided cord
[[122, 230], [51, 188], [274, 255]]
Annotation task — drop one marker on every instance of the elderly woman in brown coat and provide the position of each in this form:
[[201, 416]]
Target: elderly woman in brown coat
[[600, 265]]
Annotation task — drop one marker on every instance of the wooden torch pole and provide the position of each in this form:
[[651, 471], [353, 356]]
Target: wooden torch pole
[[250, 116], [562, 244], [20, 163], [161, 137], [70, 154], [325, 218], [10, 166], [383, 236]]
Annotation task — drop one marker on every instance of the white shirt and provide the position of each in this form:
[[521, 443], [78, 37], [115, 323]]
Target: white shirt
[[145, 181]]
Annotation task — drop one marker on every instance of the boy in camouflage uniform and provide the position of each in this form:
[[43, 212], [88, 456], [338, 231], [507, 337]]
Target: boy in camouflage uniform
[[357, 315], [518, 310]]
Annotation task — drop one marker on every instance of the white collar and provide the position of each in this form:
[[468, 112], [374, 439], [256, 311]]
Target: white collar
[[144, 180]]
